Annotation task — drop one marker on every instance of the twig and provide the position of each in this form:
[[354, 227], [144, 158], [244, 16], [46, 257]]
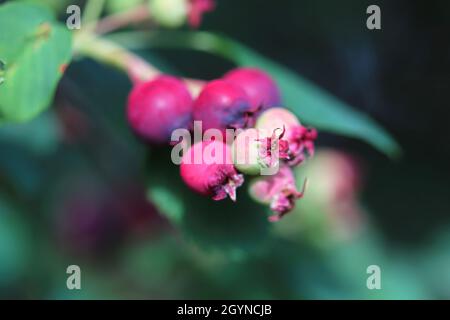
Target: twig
[[108, 52], [92, 12], [111, 53], [116, 21]]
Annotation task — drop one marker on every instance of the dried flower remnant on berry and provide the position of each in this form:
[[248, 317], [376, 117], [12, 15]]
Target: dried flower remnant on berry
[[279, 191], [254, 151], [301, 144], [299, 138], [274, 143]]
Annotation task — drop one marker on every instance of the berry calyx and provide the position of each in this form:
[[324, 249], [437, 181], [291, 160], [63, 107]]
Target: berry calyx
[[299, 138], [157, 107], [261, 89], [223, 105], [254, 150], [301, 141], [279, 191], [207, 169]]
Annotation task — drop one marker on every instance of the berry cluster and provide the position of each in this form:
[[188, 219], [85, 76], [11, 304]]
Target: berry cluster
[[267, 140]]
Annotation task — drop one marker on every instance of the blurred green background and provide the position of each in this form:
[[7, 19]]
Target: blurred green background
[[75, 184]]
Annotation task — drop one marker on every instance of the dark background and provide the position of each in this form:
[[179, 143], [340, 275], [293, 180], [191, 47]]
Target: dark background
[[400, 75]]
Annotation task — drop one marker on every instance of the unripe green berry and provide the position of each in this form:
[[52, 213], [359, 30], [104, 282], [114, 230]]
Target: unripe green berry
[[256, 150], [246, 152], [169, 13]]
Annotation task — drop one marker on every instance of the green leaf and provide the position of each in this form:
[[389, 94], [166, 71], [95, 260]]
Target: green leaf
[[55, 6], [233, 227], [34, 50], [312, 104], [2, 71]]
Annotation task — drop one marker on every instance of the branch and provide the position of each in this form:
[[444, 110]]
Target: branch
[[116, 21], [111, 53], [92, 12]]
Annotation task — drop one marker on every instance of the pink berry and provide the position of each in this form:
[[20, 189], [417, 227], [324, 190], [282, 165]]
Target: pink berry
[[259, 86], [299, 138], [157, 107], [336, 175], [207, 169], [223, 105], [279, 191]]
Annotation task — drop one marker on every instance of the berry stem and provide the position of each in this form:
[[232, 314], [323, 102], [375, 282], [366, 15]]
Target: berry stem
[[200, 40], [113, 54], [119, 20], [109, 52]]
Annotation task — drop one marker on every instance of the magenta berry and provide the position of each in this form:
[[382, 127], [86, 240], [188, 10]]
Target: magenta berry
[[207, 169], [279, 191], [258, 85], [223, 105], [157, 107], [300, 139]]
